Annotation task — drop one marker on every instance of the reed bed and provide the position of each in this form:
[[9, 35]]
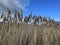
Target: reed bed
[[25, 34]]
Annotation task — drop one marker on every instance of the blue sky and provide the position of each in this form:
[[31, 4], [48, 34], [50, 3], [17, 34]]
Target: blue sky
[[39, 7], [45, 8]]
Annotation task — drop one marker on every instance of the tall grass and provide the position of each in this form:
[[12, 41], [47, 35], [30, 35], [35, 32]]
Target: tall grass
[[25, 34]]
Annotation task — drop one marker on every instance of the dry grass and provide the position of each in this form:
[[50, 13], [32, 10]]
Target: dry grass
[[25, 34]]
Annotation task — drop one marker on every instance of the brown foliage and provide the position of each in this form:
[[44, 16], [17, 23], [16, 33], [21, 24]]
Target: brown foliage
[[29, 35]]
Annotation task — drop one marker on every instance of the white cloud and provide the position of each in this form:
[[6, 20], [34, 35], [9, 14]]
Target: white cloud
[[13, 4]]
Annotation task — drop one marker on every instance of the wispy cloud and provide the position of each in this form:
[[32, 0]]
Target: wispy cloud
[[13, 4]]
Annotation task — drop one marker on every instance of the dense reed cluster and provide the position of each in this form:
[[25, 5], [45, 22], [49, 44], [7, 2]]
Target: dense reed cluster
[[16, 30], [18, 18]]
